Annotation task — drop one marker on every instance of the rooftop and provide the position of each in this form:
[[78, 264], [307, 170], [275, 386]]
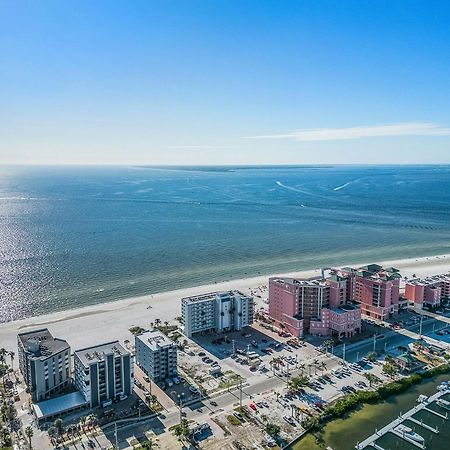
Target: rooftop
[[41, 343], [311, 282], [155, 339], [343, 309], [97, 353], [212, 296], [59, 405], [374, 272], [430, 280]]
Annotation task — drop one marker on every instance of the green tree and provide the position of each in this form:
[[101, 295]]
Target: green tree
[[29, 434], [59, 427], [272, 429], [390, 369]]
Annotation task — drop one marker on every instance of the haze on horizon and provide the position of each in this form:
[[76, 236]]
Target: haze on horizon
[[226, 82]]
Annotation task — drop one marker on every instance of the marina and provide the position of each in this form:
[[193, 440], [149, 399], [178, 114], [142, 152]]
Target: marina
[[397, 427]]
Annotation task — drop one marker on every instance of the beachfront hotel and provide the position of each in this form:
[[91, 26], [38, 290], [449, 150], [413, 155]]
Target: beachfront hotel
[[377, 290], [44, 362], [216, 312], [103, 372], [430, 291], [156, 355], [315, 306]]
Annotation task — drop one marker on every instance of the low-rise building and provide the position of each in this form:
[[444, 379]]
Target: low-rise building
[[216, 312], [156, 355], [430, 291], [44, 362], [103, 372]]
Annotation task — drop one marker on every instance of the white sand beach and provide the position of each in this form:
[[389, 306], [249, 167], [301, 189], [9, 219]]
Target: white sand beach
[[105, 322]]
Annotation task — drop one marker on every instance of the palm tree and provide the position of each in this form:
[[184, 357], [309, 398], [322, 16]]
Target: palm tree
[[315, 364], [52, 434], [59, 427], [166, 323], [3, 353], [11, 355], [322, 366], [150, 444], [29, 434], [157, 322], [302, 367]]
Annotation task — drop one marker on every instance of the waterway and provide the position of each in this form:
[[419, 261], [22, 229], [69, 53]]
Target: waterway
[[343, 434]]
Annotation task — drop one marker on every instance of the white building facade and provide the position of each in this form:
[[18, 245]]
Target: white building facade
[[156, 355], [103, 372], [216, 312]]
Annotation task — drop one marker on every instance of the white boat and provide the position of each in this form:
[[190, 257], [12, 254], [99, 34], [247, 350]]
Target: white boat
[[422, 399], [409, 433], [444, 386]]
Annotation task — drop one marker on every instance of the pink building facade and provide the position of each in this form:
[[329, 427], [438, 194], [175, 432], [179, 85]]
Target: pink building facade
[[377, 290], [429, 291], [315, 306]]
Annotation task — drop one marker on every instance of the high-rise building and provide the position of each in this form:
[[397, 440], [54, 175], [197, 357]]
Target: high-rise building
[[316, 306], [376, 289], [156, 355], [103, 372], [44, 362], [216, 312]]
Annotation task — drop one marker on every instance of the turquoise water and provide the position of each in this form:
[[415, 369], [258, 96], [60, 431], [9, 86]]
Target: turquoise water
[[78, 236]]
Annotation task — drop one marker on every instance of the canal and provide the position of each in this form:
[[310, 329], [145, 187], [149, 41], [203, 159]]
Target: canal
[[343, 434]]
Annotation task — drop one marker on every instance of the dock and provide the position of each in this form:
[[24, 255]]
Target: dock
[[370, 441]]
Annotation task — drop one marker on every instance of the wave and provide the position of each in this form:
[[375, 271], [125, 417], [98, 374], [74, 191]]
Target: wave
[[342, 186]]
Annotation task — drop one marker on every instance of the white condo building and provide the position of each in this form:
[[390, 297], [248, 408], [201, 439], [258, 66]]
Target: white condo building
[[156, 355], [103, 372], [216, 312]]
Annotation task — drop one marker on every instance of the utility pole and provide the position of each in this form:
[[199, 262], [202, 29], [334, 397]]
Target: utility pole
[[420, 329], [240, 391], [234, 346], [115, 434], [374, 342], [343, 352]]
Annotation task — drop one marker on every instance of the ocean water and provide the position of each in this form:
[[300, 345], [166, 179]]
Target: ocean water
[[73, 236]]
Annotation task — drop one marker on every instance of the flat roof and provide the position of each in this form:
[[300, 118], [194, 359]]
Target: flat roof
[[308, 282], [213, 295], [444, 277], [41, 343], [154, 339], [97, 353], [59, 405]]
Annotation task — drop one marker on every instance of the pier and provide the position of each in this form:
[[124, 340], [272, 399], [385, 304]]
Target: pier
[[370, 441]]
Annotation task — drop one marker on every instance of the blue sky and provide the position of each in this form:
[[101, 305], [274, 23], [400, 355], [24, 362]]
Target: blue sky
[[224, 82]]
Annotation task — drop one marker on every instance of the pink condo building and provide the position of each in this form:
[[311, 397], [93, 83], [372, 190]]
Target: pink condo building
[[315, 306], [376, 289], [429, 291]]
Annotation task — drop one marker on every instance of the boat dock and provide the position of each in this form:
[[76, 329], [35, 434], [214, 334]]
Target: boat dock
[[390, 428]]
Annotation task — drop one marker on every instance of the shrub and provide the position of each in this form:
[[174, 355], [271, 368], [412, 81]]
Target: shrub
[[233, 420]]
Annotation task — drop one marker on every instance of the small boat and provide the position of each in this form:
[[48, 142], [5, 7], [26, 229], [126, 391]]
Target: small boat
[[443, 386], [422, 399], [409, 433]]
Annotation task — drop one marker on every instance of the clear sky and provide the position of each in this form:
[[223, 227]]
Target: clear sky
[[224, 82]]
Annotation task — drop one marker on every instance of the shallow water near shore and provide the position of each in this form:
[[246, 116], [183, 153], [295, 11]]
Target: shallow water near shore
[[78, 236], [344, 434]]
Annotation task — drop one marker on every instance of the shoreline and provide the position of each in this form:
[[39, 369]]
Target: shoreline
[[102, 322]]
